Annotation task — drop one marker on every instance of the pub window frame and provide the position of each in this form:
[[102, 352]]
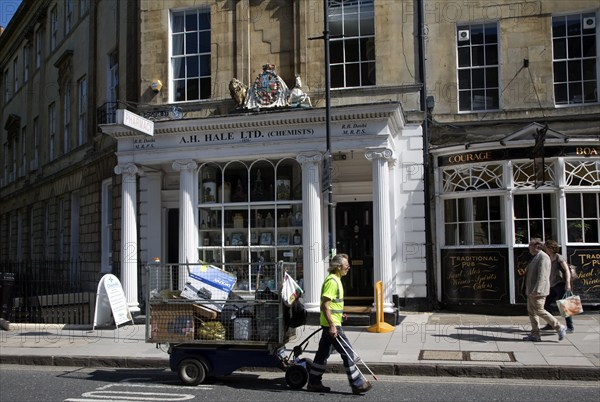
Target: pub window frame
[[470, 227], [583, 218], [467, 184], [527, 224], [582, 201]]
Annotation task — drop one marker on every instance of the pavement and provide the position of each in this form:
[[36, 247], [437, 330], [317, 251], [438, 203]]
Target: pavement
[[422, 344]]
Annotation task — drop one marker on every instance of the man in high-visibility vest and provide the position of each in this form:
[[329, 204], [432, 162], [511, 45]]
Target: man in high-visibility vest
[[332, 311]]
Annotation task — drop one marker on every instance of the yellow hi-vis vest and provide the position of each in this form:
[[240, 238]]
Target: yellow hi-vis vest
[[332, 289]]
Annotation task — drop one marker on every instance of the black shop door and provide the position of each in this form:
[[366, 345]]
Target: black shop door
[[354, 223]]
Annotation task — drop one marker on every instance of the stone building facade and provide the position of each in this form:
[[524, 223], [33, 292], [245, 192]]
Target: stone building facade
[[514, 138], [410, 169], [64, 65], [191, 51]]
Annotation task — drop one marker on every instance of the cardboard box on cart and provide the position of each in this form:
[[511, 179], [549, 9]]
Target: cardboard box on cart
[[209, 285]]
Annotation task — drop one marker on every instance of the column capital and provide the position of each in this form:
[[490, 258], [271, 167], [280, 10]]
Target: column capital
[[127, 169], [309, 157], [379, 153], [185, 164]]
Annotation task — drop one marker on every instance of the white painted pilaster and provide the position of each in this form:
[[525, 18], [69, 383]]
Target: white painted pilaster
[[382, 249], [188, 244], [129, 244], [312, 241]]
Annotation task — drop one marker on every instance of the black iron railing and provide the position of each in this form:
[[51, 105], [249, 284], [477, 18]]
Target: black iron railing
[[106, 113], [58, 292]]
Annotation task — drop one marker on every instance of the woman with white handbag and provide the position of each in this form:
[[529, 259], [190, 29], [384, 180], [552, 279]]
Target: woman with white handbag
[[560, 281]]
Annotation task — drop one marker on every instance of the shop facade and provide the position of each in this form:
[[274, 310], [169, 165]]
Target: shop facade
[[246, 190], [493, 197]]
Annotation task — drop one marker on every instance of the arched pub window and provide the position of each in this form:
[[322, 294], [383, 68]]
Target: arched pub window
[[474, 207], [534, 211]]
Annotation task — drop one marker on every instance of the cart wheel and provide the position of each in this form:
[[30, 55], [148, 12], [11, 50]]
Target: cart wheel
[[191, 372], [296, 376]]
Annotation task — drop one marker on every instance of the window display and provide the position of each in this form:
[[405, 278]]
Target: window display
[[250, 216]]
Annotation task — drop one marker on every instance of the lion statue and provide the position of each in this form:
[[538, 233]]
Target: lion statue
[[238, 91]]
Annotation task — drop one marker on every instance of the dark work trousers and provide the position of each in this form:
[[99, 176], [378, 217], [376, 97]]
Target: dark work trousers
[[557, 292], [326, 346]]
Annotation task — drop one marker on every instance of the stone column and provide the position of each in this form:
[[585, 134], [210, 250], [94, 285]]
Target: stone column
[[380, 157], [188, 245], [129, 243], [312, 241]]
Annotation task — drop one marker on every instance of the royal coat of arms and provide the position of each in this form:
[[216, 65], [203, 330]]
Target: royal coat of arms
[[268, 90]]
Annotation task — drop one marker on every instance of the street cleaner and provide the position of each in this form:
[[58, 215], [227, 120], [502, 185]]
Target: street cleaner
[[332, 335]]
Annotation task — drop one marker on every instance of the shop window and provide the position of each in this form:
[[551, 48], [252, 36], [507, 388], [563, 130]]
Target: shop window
[[534, 216], [474, 221], [352, 43], [583, 218], [250, 216], [582, 173], [524, 175], [575, 59], [190, 55], [470, 178], [478, 67]]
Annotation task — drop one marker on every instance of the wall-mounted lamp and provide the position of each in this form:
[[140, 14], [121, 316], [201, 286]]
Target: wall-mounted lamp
[[156, 86], [467, 146]]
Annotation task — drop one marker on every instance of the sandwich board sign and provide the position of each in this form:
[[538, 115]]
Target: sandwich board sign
[[110, 298]]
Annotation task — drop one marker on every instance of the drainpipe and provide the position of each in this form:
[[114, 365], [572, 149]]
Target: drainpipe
[[429, 265]]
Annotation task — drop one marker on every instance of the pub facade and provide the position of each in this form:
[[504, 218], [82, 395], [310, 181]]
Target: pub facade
[[493, 197]]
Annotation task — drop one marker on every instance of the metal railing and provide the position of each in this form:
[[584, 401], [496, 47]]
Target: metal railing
[[57, 292], [106, 113]]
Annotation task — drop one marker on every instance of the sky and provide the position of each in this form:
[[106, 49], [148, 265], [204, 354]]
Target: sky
[[7, 9]]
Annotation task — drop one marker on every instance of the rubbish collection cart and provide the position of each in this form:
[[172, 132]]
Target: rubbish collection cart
[[211, 330]]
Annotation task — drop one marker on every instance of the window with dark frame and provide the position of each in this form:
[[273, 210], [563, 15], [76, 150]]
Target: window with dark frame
[[534, 216], [474, 221], [478, 67], [575, 59], [352, 43], [583, 218], [190, 55]]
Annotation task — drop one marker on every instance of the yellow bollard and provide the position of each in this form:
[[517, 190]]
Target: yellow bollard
[[380, 325]]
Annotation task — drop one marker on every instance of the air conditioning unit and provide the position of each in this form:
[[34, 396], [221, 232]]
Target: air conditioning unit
[[589, 22], [463, 35]]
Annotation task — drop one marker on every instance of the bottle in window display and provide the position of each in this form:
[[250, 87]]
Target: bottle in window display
[[258, 192], [282, 222], [297, 237], [210, 189], [239, 195], [269, 221], [259, 220]]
